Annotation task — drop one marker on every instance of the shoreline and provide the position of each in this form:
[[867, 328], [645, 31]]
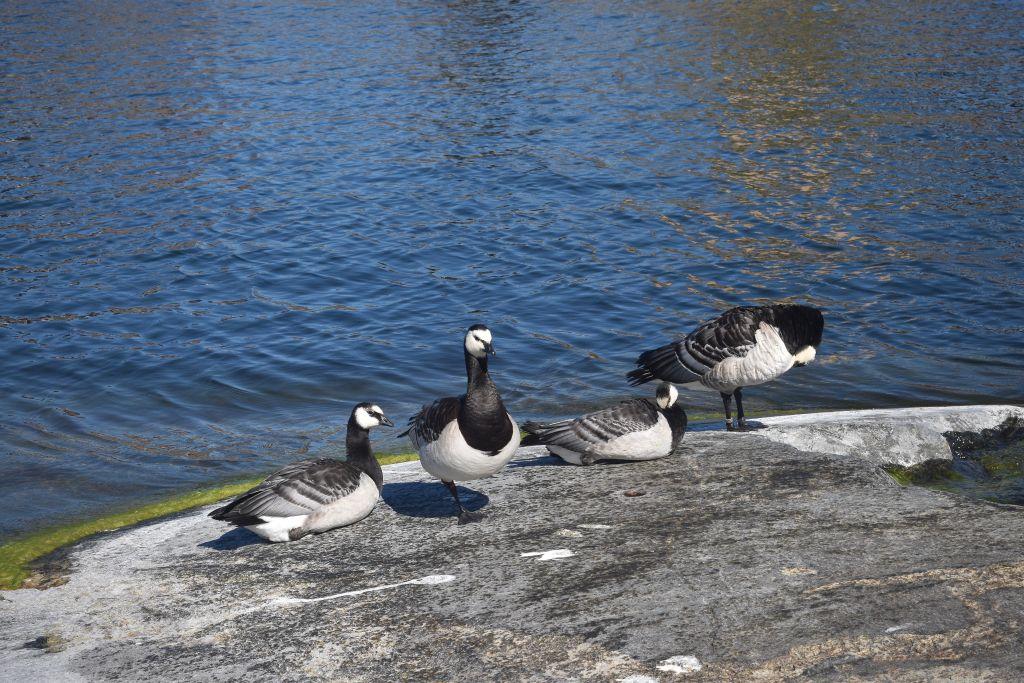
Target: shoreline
[[23, 559], [20, 556]]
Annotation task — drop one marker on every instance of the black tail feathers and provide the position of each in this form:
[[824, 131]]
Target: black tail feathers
[[533, 436], [639, 376]]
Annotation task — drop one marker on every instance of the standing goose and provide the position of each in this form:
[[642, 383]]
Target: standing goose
[[633, 430], [744, 346], [313, 496], [469, 436]]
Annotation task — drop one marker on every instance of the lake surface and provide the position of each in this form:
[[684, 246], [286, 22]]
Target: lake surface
[[224, 223]]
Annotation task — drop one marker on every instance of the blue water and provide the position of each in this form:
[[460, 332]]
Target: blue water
[[223, 223]]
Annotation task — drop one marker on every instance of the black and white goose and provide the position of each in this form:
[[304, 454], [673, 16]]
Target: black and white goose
[[636, 429], [466, 437], [744, 346], [313, 496]]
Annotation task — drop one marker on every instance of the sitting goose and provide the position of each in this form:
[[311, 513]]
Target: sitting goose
[[744, 346], [313, 496], [633, 430], [469, 436]]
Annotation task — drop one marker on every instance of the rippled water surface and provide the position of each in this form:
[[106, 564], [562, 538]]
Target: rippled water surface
[[223, 223]]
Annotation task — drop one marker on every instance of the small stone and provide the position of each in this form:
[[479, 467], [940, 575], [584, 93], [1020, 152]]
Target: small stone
[[633, 493], [799, 571], [681, 664]]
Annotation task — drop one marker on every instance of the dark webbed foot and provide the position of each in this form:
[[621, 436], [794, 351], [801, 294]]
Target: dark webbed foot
[[749, 426], [467, 517]]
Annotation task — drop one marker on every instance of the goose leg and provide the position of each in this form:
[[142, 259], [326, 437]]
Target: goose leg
[[743, 425], [465, 516], [727, 402]]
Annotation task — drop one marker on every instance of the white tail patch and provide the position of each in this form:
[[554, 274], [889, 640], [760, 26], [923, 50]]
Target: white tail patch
[[805, 355], [275, 529], [545, 555], [431, 580]]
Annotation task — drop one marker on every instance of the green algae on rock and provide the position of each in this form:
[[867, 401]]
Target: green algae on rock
[[17, 556]]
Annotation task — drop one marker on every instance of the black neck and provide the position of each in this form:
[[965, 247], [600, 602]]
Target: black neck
[[483, 419], [476, 369], [357, 446], [676, 417]]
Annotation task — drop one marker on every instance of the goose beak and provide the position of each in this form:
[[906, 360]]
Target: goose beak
[[489, 348], [385, 421]]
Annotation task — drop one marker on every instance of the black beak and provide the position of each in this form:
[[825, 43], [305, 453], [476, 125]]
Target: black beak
[[489, 348], [385, 421]]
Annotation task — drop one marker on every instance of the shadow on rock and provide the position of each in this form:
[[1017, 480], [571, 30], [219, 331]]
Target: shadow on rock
[[429, 499], [539, 461], [233, 540]]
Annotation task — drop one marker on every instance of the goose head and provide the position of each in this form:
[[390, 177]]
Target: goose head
[[369, 415], [666, 395], [478, 341]]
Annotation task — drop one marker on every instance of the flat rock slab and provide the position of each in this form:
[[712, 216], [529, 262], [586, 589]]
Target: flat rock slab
[[899, 436], [742, 559]]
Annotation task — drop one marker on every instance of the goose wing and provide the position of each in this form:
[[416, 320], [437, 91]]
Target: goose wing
[[426, 426], [594, 430], [297, 489], [730, 335]]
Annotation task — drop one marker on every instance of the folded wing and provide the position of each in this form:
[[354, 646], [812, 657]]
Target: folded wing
[[297, 489], [590, 433]]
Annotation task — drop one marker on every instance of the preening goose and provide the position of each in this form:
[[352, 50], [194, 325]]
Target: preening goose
[[312, 496], [466, 437], [744, 346], [636, 429]]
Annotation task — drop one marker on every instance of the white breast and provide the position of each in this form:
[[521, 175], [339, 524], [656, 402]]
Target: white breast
[[768, 359], [450, 458], [346, 510]]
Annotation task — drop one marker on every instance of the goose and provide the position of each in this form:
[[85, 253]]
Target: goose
[[632, 430], [460, 438], [313, 496], [742, 347]]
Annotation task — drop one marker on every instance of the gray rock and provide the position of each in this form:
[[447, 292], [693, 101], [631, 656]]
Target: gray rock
[[743, 559], [902, 436]]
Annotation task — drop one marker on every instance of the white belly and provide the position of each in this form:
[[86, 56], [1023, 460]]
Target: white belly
[[565, 454], [342, 512], [450, 458], [275, 529], [649, 444], [768, 359]]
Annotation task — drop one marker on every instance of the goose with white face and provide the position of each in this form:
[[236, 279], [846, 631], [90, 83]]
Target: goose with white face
[[478, 342], [317, 495], [633, 430], [744, 346], [461, 438]]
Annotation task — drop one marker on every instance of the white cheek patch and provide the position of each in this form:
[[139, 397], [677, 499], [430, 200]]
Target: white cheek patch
[[670, 400], [805, 355], [364, 420], [475, 340]]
